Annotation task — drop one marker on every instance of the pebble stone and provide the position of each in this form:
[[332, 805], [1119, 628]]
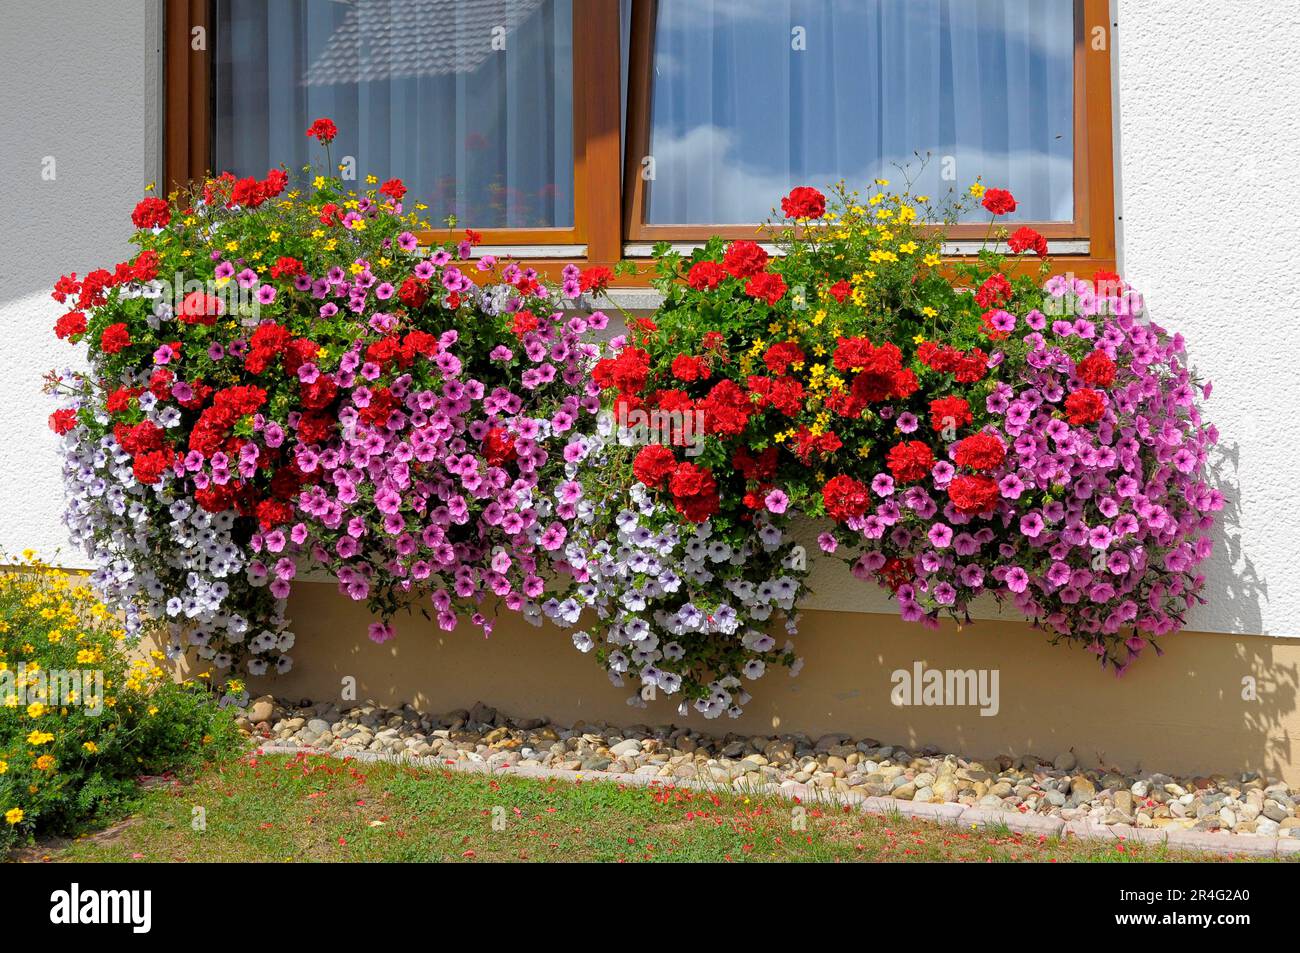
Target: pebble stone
[[1052, 787]]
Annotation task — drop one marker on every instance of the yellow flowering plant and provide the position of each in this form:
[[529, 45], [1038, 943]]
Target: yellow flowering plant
[[82, 715]]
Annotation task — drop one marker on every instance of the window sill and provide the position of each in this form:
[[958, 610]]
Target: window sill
[[957, 249]]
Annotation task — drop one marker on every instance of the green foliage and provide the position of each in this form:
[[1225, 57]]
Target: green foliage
[[81, 716]]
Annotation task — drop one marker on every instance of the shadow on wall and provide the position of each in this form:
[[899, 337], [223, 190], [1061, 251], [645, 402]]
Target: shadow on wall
[[1235, 593], [1234, 590], [1190, 712]]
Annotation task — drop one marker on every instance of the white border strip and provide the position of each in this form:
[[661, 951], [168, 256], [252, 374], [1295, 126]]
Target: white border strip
[[1064, 246], [531, 251]]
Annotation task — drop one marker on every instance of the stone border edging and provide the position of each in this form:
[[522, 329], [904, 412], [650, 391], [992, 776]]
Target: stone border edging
[[958, 815]]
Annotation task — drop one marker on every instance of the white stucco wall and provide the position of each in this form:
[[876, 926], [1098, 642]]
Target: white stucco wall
[[1208, 125], [1209, 102], [78, 83]]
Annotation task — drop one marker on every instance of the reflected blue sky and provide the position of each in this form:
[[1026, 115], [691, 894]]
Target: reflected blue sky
[[739, 116]]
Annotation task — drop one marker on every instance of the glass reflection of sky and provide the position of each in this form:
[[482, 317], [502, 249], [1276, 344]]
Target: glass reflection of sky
[[739, 116], [418, 90]]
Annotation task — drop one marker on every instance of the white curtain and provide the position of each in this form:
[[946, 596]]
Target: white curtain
[[741, 113], [470, 102]]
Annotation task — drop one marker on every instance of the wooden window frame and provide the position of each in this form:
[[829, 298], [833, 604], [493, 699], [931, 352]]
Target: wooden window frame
[[596, 142], [609, 193], [1093, 164]]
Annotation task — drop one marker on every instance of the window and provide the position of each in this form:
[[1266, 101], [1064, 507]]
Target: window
[[749, 99], [589, 129], [418, 90]]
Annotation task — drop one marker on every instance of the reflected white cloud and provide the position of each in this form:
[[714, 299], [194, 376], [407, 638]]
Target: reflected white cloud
[[705, 176], [988, 83]]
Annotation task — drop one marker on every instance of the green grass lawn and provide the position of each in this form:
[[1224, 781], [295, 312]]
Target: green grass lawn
[[285, 808]]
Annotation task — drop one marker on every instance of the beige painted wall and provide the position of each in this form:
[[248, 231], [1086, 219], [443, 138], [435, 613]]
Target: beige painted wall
[[1182, 713]]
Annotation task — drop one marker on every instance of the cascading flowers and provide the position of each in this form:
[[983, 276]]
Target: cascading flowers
[[283, 379], [1002, 433]]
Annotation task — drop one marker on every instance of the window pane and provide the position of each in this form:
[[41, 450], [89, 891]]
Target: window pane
[[740, 113], [470, 102]]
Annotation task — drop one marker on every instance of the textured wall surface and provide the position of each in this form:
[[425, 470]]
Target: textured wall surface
[[1209, 134], [79, 85], [1209, 129]]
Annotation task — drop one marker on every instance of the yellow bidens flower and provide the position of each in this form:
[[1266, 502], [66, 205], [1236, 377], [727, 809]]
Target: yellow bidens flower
[[14, 816], [91, 747], [4, 767], [39, 738], [977, 190], [35, 710]]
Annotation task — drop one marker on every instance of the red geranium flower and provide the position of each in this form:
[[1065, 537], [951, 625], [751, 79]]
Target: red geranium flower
[[910, 460], [149, 465], [948, 412], [524, 322], [265, 345], [653, 464], [804, 202], [999, 201], [119, 401], [726, 409], [686, 368], [145, 266], [783, 393], [980, 451], [780, 356], [72, 323], [595, 279], [1096, 370], [995, 291], [765, 286], [215, 498], [382, 404], [65, 286], [845, 497], [705, 275], [498, 447], [695, 492], [840, 290], [198, 307], [1026, 239], [114, 338], [412, 293], [394, 189], [319, 394], [315, 427], [744, 259], [1107, 283], [628, 372], [1085, 406], [286, 267], [323, 130], [973, 494], [63, 420], [272, 513], [151, 213]]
